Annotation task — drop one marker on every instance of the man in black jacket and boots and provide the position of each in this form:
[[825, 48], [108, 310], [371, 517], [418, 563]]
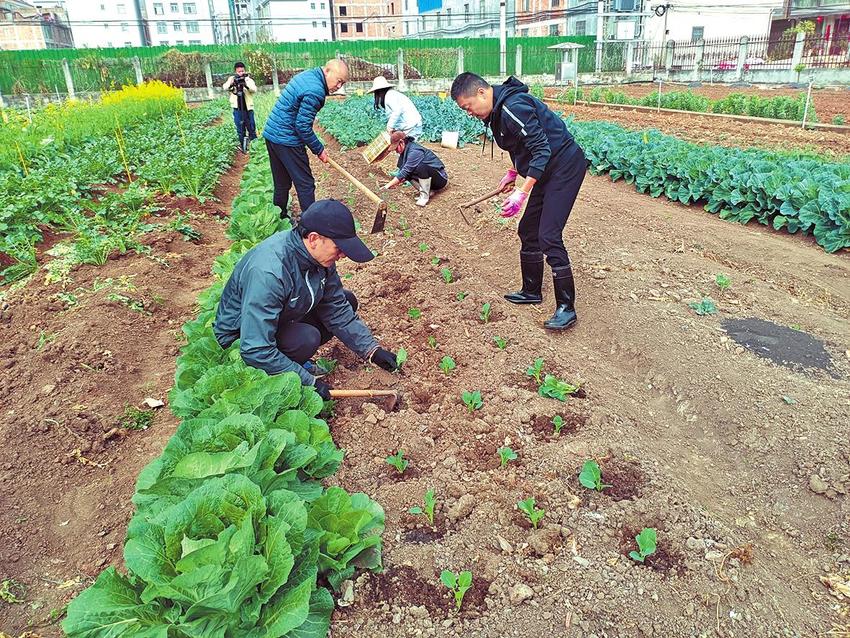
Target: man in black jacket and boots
[[543, 151]]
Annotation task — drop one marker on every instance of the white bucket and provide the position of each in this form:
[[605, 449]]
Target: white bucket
[[450, 139]]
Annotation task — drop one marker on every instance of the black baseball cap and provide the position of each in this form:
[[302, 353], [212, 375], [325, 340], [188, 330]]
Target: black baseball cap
[[332, 219]]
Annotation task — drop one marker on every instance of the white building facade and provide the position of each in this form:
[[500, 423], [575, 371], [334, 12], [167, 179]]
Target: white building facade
[[180, 22], [287, 20], [106, 23]]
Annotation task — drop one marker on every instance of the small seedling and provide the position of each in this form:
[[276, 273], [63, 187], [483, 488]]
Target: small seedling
[[401, 357], [135, 419], [423, 247], [485, 313], [11, 591], [132, 304], [722, 281], [501, 344], [646, 544], [457, 583], [533, 513], [472, 400], [428, 508], [44, 338], [554, 388], [789, 400], [435, 261], [432, 342], [447, 364], [506, 454], [328, 410], [461, 296], [534, 371], [591, 476], [447, 275], [326, 364], [398, 461], [414, 313], [704, 307], [557, 423]]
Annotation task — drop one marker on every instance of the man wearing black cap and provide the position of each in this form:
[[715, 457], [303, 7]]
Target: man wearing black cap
[[285, 298]]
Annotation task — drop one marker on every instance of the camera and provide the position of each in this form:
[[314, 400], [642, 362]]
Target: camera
[[238, 86]]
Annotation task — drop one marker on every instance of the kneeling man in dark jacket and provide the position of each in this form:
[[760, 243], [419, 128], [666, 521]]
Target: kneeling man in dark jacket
[[419, 163], [285, 298]]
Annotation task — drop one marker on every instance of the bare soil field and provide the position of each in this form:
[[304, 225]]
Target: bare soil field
[[727, 435]]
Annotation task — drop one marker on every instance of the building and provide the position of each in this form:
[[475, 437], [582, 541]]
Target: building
[[25, 26], [459, 18], [831, 20], [169, 23], [369, 19], [693, 20], [106, 23], [285, 21], [541, 17]]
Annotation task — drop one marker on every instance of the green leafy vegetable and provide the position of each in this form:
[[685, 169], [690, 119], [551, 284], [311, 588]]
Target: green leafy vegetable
[[485, 313], [447, 364], [398, 461], [472, 400], [506, 454], [591, 476], [534, 514], [428, 506], [534, 371], [704, 307], [457, 583], [554, 388], [646, 542]]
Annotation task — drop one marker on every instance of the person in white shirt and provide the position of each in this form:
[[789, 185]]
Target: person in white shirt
[[242, 89], [401, 112]]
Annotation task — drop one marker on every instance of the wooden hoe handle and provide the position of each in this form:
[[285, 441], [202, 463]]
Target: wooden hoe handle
[[356, 182], [482, 198]]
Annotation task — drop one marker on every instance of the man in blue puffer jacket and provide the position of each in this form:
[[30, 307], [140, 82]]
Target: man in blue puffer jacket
[[289, 129]]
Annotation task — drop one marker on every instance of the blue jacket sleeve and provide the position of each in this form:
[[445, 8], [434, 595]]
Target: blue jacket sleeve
[[412, 161], [262, 300], [336, 313], [520, 117], [310, 105]]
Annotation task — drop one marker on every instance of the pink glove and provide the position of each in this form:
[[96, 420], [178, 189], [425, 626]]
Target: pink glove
[[508, 179], [513, 204]]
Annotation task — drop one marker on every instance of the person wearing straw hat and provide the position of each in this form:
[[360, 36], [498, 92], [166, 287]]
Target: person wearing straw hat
[[416, 161], [401, 112]]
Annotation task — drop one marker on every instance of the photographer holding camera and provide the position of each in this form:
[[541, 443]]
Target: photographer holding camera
[[242, 89]]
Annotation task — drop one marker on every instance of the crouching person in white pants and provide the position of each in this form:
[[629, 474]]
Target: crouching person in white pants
[[419, 165]]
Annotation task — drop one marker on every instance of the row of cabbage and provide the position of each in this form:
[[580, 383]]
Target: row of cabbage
[[233, 533]]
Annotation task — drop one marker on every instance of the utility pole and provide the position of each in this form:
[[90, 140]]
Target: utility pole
[[503, 37]]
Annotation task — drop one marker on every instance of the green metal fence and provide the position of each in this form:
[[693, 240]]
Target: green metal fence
[[101, 69]]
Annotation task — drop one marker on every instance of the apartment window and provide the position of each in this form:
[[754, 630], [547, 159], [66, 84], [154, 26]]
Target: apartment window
[[315, 24], [581, 27], [163, 43], [481, 9], [102, 8], [312, 5], [343, 11], [524, 33], [405, 6], [697, 33], [302, 39], [193, 27], [406, 29], [121, 9], [174, 7], [128, 44], [448, 16], [105, 25], [358, 27], [125, 26], [322, 6], [466, 12], [158, 9], [392, 8], [179, 43], [526, 5], [343, 27], [439, 19], [190, 8], [556, 4], [177, 26], [553, 29], [423, 23], [194, 41], [162, 27], [324, 23]]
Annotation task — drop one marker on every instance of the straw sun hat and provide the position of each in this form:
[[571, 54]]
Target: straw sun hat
[[379, 83]]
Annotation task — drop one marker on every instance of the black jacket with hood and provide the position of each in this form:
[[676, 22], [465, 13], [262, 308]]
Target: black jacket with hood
[[279, 281], [525, 127]]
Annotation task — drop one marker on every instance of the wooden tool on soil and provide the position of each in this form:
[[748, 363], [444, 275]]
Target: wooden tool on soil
[[393, 397], [460, 207], [381, 213]]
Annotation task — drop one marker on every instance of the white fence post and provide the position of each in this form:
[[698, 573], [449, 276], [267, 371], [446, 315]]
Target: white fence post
[[460, 60], [518, 64], [797, 57], [700, 56], [275, 80], [668, 57], [69, 81], [137, 67], [402, 83], [208, 74], [630, 55], [742, 57]]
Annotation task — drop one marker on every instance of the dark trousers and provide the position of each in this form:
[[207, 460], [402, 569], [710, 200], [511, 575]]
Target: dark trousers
[[541, 228], [291, 166], [245, 122], [439, 179], [299, 340]]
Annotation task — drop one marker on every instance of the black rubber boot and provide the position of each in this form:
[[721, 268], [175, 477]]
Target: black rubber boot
[[531, 266], [565, 296]]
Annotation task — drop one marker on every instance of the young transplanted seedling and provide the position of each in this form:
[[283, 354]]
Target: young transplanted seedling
[[423, 247], [704, 307], [447, 364], [447, 275], [461, 296], [428, 506], [472, 400], [457, 583], [535, 370], [722, 281], [485, 313], [401, 357], [554, 388], [414, 313], [646, 544], [501, 344], [533, 513], [506, 454], [432, 342], [398, 461], [591, 476], [557, 423], [326, 365]]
